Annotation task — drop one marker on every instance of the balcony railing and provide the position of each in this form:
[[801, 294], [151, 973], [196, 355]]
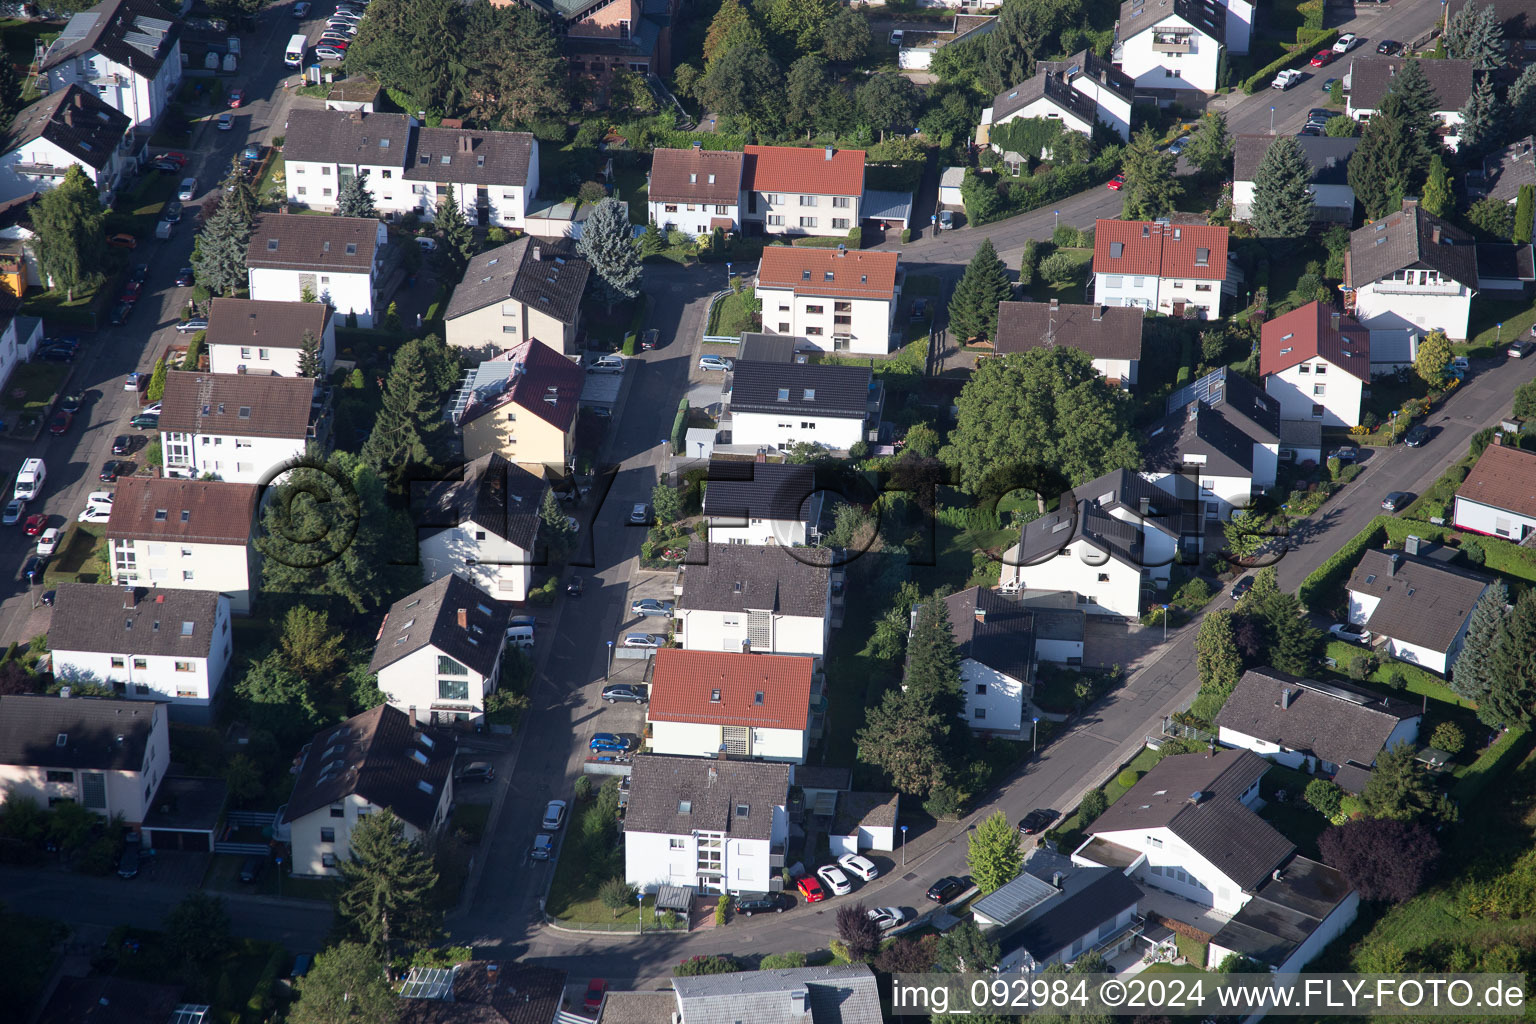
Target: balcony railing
[[1173, 44]]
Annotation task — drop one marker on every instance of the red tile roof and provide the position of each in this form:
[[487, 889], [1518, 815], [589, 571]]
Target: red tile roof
[[1504, 478], [1194, 251], [549, 386], [818, 171], [1314, 331], [696, 176], [684, 684], [832, 272]]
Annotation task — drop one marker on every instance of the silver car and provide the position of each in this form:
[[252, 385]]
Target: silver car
[[554, 815]]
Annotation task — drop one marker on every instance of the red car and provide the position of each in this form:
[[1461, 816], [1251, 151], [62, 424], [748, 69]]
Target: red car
[[36, 524], [236, 97], [1116, 183], [131, 292], [596, 989], [811, 889], [179, 159], [1323, 57], [60, 422]]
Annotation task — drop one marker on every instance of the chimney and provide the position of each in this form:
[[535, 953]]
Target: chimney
[[1056, 879], [698, 145], [829, 152], [1143, 505], [1054, 304], [1395, 559], [1410, 203], [1498, 438], [1098, 312], [538, 254], [1411, 544], [80, 100], [1333, 321], [463, 618], [800, 1003], [761, 456], [357, 116], [464, 143], [411, 711], [1285, 697], [1275, 874], [1434, 233], [981, 615], [130, 599], [720, 754], [64, 692]]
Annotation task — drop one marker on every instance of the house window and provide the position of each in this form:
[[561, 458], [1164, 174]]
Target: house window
[[185, 666], [720, 211], [118, 663], [1154, 842], [676, 844], [783, 328], [979, 713], [1318, 390], [55, 775], [325, 192], [1202, 287], [1103, 577], [140, 663], [338, 811], [775, 219], [245, 353], [807, 200], [328, 860], [670, 207], [327, 835], [807, 222], [453, 689], [446, 666], [1317, 410], [842, 202], [264, 353], [186, 575], [1322, 368], [981, 689], [1304, 368], [813, 310], [814, 332]]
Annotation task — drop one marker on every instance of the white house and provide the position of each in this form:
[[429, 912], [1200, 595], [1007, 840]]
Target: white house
[[106, 755], [438, 655], [838, 301], [789, 190], [253, 337], [1369, 78], [1315, 727], [1041, 918], [67, 128], [762, 503], [777, 405], [1218, 447], [186, 535], [483, 527], [1333, 200], [1000, 641], [1411, 270], [1498, 497], [147, 644], [770, 600], [127, 51], [812, 995], [1110, 335], [336, 260], [19, 338], [1420, 607], [1177, 269], [749, 705], [378, 760], [695, 190], [1290, 918], [1171, 46], [1079, 91], [238, 427], [1316, 363], [708, 824]]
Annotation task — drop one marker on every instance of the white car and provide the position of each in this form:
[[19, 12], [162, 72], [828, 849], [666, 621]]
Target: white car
[[48, 542], [329, 53], [426, 243], [95, 514], [1285, 79], [554, 815], [188, 190], [897, 36], [835, 880], [640, 514], [1353, 634], [99, 498], [861, 866], [644, 640], [1346, 42], [886, 918]]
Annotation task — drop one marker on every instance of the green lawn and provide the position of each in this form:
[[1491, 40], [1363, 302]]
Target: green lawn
[[1069, 833], [33, 385], [1419, 681], [271, 174], [1485, 336], [630, 185], [1071, 290], [734, 315], [75, 560]]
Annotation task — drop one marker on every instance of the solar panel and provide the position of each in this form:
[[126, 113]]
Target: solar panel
[[428, 983], [1209, 389], [1339, 693]]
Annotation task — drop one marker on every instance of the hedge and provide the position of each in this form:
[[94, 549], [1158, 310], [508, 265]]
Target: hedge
[[680, 427], [854, 240], [1301, 51], [261, 996], [1507, 749], [1028, 194], [1322, 589], [1501, 556]]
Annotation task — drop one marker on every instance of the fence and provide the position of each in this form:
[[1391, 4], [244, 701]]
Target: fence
[[709, 316]]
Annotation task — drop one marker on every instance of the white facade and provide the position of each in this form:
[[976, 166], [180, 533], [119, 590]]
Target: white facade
[[993, 701], [1362, 606], [693, 218], [428, 679], [1097, 931], [1170, 864], [1487, 519], [143, 99], [783, 430], [1105, 585], [241, 460], [1317, 389], [317, 184], [40, 164], [825, 215], [1406, 731], [652, 859], [169, 564], [491, 562], [1239, 26], [830, 323], [788, 532], [1331, 203], [707, 630], [1422, 300], [1126, 290], [322, 838], [280, 361], [14, 349], [1172, 54], [1220, 495], [700, 739], [1450, 119], [1049, 108], [109, 792], [343, 292], [189, 681], [867, 837]]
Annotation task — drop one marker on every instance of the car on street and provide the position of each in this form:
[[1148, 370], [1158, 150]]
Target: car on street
[[128, 863], [475, 771], [1354, 634], [714, 363], [13, 512], [1178, 145], [112, 470], [133, 382], [622, 693], [1311, 130], [1520, 349], [1322, 58], [226, 122], [335, 41], [172, 212], [835, 880], [1396, 500], [640, 514], [236, 97], [1321, 115], [72, 402], [32, 571], [94, 514], [177, 160], [121, 312], [1417, 436], [343, 14], [1036, 821], [886, 918], [573, 586], [60, 423], [597, 988], [1285, 79], [48, 597], [122, 240], [185, 278], [1346, 42], [1116, 183], [1242, 587], [1345, 453], [301, 10], [653, 640], [863, 867], [251, 867], [897, 35], [1389, 47], [543, 843], [34, 524], [554, 815], [188, 190], [192, 326], [749, 903], [651, 606], [131, 292], [48, 542], [608, 742], [341, 27], [810, 889], [145, 421], [650, 339], [123, 444], [945, 889]]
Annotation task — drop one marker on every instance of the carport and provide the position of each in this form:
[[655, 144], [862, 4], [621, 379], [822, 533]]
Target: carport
[[185, 813], [883, 210], [674, 897]]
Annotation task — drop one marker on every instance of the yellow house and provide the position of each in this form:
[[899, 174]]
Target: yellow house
[[522, 405], [524, 290]]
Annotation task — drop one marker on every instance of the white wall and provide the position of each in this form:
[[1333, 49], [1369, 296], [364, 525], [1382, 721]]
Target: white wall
[[1264, 748], [346, 293], [788, 532], [1125, 290], [413, 682], [156, 677], [1296, 392], [142, 99], [652, 859], [1203, 294], [1225, 492], [781, 430], [495, 565], [782, 213], [241, 460], [1044, 107], [1382, 305], [811, 317], [1330, 202], [1239, 25], [692, 218], [1153, 70], [1496, 522], [700, 630], [1001, 707], [174, 565], [125, 790], [309, 849], [1110, 586], [696, 739], [1208, 887], [1112, 109], [15, 182]]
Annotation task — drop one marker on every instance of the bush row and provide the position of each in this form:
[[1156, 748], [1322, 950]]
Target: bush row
[[1323, 588]]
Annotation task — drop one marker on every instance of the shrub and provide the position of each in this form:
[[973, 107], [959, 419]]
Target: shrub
[[584, 787], [722, 912], [1325, 797], [680, 427], [1128, 778], [1396, 679], [1066, 237], [943, 802], [1027, 262], [1324, 587], [695, 966], [1448, 737], [1473, 552], [1058, 267], [906, 235], [1094, 804], [782, 961], [1361, 666], [629, 344]]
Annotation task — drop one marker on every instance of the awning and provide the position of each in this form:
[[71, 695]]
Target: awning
[[721, 222], [674, 897]]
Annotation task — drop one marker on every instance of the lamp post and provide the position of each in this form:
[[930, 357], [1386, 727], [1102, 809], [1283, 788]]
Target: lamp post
[[903, 846], [1392, 429], [640, 910], [1058, 218], [1034, 734], [1165, 622], [609, 670], [1272, 111], [1499, 338], [279, 859]]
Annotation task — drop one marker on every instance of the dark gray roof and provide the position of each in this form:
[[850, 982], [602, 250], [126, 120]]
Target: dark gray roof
[[1369, 77], [1054, 78], [349, 137], [1328, 157], [265, 322], [835, 995], [380, 756], [822, 776], [1410, 238], [1219, 827], [1352, 779], [1505, 260], [864, 810], [1421, 601], [749, 577], [994, 630], [1337, 722], [1104, 332], [679, 795], [1090, 897], [486, 992], [74, 120], [1136, 16], [766, 348], [1072, 521], [470, 156], [1125, 489], [430, 618], [544, 274], [284, 241], [499, 495], [1222, 416], [759, 490], [31, 725], [137, 33], [1284, 912], [823, 389], [1301, 433], [136, 620]]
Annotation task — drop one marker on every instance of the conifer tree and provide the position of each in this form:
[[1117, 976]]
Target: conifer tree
[[1510, 696], [311, 362], [1282, 200], [389, 886], [218, 255], [1437, 198], [1482, 120], [606, 245], [1522, 97], [1150, 189], [973, 303], [1380, 171], [354, 199], [398, 443], [559, 538], [1475, 33], [1469, 676], [458, 237], [1524, 208]]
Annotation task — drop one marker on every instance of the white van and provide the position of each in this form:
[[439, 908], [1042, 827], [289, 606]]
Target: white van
[[519, 636], [293, 56], [29, 482]]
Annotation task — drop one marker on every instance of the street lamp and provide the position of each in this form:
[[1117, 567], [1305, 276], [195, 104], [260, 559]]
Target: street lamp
[[1500, 337], [1392, 429], [1034, 734], [609, 670], [640, 909], [1058, 218], [1272, 111], [1165, 622], [903, 846]]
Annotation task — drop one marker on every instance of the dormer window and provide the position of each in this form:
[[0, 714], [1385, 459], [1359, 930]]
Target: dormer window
[[1202, 257], [160, 515], [271, 245], [1116, 250], [783, 394], [714, 696], [805, 275], [351, 248]]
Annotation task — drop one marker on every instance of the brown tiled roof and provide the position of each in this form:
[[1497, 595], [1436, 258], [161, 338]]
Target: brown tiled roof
[[1410, 238], [1369, 77], [31, 724], [768, 691], [709, 176], [1153, 249], [349, 137], [266, 323], [835, 273], [750, 577], [678, 795], [1104, 332], [488, 992], [381, 756], [117, 620], [809, 170], [470, 156], [549, 386], [1506, 170], [237, 403], [1505, 478], [198, 511], [430, 618], [1315, 330], [1337, 722], [552, 284], [495, 494], [76, 121], [1421, 602], [301, 242]]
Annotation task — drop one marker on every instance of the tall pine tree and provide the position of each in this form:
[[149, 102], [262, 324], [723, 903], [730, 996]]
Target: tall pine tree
[[1381, 170], [1469, 676], [1522, 97], [354, 199], [311, 359], [398, 444], [606, 244], [1482, 120], [458, 237], [1282, 198], [10, 92], [1510, 695], [1437, 198], [1210, 148], [389, 879], [973, 303], [933, 662], [218, 254], [555, 525], [1150, 189], [1476, 34], [1413, 102]]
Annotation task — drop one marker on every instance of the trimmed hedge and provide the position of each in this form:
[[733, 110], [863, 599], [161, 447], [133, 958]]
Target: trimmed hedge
[[1508, 749], [680, 427], [260, 1003], [1324, 587], [1301, 51], [855, 240]]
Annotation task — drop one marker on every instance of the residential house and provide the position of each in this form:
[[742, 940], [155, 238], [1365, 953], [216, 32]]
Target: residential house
[[844, 994], [779, 405], [762, 503], [1290, 918], [748, 705], [438, 654], [337, 260], [127, 51], [1518, 20], [1110, 335], [1170, 47], [708, 824], [483, 527], [186, 535], [772, 600], [1219, 446], [171, 646], [239, 428], [1316, 727], [376, 761], [1417, 608], [1316, 363], [410, 168], [483, 992], [864, 821], [917, 48], [1047, 917], [1333, 200], [1368, 78], [1000, 640], [106, 755], [790, 190], [109, 999], [249, 336], [604, 37], [1504, 170], [1080, 91], [1498, 497], [527, 290], [1411, 270], [68, 128], [523, 405], [19, 335], [695, 190], [1178, 269], [838, 301]]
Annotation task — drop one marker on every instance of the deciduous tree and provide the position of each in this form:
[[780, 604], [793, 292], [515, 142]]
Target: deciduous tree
[[389, 882], [887, 102], [1433, 359], [309, 646], [1400, 789], [69, 223], [345, 985], [1324, 796], [858, 932], [906, 742], [973, 304], [994, 856], [1150, 188], [846, 36], [805, 87], [10, 92], [1492, 218], [617, 895], [607, 246], [1218, 663], [1282, 196], [197, 934], [800, 23], [744, 81], [731, 27], [1469, 675], [1382, 859]]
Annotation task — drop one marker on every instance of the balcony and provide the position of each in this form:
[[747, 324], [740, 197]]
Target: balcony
[[1173, 43], [776, 852]]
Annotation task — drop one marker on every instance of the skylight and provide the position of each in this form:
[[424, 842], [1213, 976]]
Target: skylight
[[419, 757], [186, 629], [425, 787]]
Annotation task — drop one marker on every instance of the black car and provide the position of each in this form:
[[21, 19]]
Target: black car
[[128, 863], [1390, 47], [1396, 500], [650, 339], [919, 309], [140, 273], [1243, 586], [121, 312], [250, 869], [122, 444], [56, 355], [1346, 453], [749, 903], [48, 596], [1037, 820], [573, 586], [620, 693], [72, 403], [1311, 130], [476, 771], [185, 278], [1417, 436], [112, 469], [945, 889], [32, 571]]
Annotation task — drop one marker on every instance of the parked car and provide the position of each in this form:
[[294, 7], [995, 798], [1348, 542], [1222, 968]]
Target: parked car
[[749, 903], [714, 363], [72, 402], [122, 444], [622, 693], [48, 542], [1345, 453], [573, 586], [13, 512], [60, 423], [886, 918], [1417, 436], [236, 97], [946, 219], [1242, 587], [835, 880], [251, 868], [945, 889], [1322, 58], [1311, 131], [301, 10], [1346, 42], [145, 421], [121, 312], [56, 355], [185, 278], [94, 514], [1390, 47], [650, 339], [1353, 634], [177, 160], [99, 498], [597, 988], [810, 889], [131, 292], [608, 742], [134, 381], [128, 863], [554, 815], [1036, 821], [896, 37], [640, 514], [475, 771], [1285, 79], [1116, 183], [1178, 145], [122, 240], [426, 243], [653, 640], [863, 867], [35, 524], [192, 326], [188, 190], [329, 53], [651, 606], [543, 843], [112, 469], [919, 309], [171, 214], [1520, 349], [1396, 500], [32, 570]]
